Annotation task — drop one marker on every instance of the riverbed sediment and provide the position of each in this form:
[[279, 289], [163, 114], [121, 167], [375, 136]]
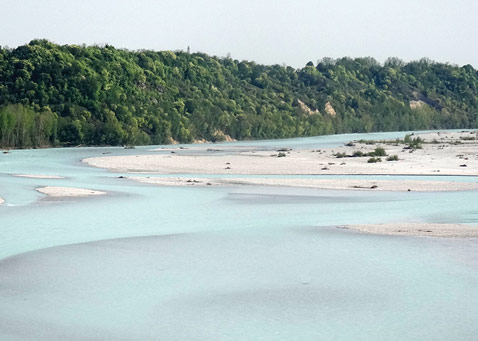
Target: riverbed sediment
[[452, 154]]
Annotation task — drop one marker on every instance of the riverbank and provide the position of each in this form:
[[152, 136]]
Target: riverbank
[[418, 229]]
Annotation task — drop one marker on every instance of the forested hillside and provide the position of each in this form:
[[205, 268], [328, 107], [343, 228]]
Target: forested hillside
[[78, 95]]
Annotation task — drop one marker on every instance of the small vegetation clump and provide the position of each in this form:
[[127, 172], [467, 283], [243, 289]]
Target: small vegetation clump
[[379, 151], [392, 158], [374, 160], [369, 142], [358, 153], [413, 143]]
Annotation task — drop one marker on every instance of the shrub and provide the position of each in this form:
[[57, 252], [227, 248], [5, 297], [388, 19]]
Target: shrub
[[374, 160], [392, 158], [379, 151], [341, 155], [358, 153], [415, 143]]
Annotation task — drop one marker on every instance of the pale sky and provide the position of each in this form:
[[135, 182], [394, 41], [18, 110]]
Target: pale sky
[[265, 31]]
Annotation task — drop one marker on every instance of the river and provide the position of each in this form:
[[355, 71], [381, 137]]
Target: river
[[226, 263]]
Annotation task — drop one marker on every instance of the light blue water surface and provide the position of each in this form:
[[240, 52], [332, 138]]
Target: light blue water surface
[[148, 262]]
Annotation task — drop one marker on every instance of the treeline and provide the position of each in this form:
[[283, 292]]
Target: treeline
[[89, 95]]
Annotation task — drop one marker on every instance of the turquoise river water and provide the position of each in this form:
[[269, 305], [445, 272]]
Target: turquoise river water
[[226, 263]]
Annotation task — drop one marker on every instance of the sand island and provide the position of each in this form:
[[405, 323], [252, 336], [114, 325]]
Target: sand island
[[38, 176], [434, 154], [68, 192], [418, 229]]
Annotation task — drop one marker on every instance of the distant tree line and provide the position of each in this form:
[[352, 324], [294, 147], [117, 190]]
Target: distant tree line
[[90, 95]]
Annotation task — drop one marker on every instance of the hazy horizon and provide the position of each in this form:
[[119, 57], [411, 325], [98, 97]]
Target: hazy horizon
[[267, 32]]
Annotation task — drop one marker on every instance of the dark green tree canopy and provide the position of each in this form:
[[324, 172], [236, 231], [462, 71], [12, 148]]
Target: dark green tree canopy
[[92, 95]]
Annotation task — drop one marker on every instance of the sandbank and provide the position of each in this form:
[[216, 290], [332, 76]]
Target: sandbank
[[418, 229], [445, 154], [63, 192], [336, 184], [38, 176]]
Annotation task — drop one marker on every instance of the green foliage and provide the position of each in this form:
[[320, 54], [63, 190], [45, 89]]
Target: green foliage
[[358, 153], [21, 127], [374, 160], [413, 143], [91, 95], [341, 155], [379, 151]]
